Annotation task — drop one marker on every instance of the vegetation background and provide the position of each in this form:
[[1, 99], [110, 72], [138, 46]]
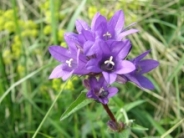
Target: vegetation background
[[31, 105]]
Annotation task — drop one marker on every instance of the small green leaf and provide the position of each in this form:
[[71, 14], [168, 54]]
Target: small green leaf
[[71, 24], [80, 102], [128, 107], [124, 134], [138, 127]]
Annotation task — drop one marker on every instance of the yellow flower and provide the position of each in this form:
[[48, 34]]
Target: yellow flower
[[7, 56], [9, 26], [47, 30], [92, 11], [30, 25], [60, 35], [63, 44], [34, 33], [56, 84], [9, 15], [16, 49], [20, 69], [69, 85]]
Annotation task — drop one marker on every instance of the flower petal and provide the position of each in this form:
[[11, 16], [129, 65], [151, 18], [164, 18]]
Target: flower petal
[[125, 67], [112, 91], [92, 66], [97, 22], [125, 33], [109, 77], [121, 49], [147, 65], [145, 83], [117, 21], [58, 72], [94, 20], [140, 81], [141, 56], [59, 53], [104, 100], [81, 25]]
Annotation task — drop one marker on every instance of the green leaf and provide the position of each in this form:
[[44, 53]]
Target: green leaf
[[128, 107], [71, 24], [138, 127], [124, 134], [176, 69], [80, 102]]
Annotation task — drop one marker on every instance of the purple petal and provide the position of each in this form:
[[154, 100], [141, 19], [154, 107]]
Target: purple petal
[[59, 53], [121, 49], [58, 72], [104, 48], [125, 33], [100, 19], [112, 91], [81, 25], [91, 47], [104, 100], [140, 81], [102, 82], [145, 83], [90, 94], [138, 58], [109, 77], [92, 66], [117, 21], [88, 35], [71, 40], [125, 67], [121, 79], [94, 20], [147, 65]]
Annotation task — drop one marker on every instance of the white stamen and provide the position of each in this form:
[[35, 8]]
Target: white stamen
[[69, 62], [101, 90], [109, 61], [107, 34]]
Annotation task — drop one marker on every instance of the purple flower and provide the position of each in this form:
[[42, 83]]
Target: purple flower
[[101, 29], [73, 62], [99, 90], [109, 61], [112, 29], [142, 66]]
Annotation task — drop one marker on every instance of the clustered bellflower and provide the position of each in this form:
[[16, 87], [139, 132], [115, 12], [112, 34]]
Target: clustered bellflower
[[99, 52]]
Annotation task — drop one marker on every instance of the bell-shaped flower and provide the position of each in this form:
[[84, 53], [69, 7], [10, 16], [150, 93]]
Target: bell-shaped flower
[[99, 90], [142, 66], [73, 62], [112, 29], [110, 61]]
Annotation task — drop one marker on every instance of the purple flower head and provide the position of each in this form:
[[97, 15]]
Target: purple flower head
[[99, 90], [142, 66], [109, 60], [73, 62], [112, 29], [101, 29]]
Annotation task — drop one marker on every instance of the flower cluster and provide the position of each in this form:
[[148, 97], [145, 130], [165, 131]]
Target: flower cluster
[[99, 51]]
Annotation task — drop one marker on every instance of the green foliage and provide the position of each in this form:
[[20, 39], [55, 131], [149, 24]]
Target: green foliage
[[31, 105]]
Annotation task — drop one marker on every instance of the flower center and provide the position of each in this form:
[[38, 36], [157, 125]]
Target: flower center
[[69, 62], [108, 65], [103, 93], [107, 35]]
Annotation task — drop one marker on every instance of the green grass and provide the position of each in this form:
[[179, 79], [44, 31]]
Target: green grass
[[31, 105]]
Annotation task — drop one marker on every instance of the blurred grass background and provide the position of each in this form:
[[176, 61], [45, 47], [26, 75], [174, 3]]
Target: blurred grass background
[[28, 27]]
